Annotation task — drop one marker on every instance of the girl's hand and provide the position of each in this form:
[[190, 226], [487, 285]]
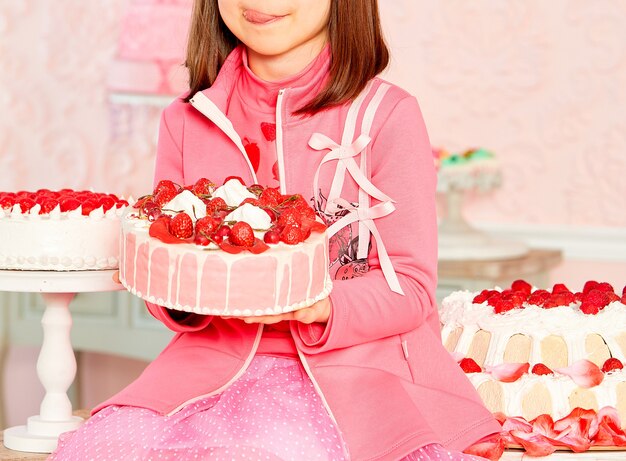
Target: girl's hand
[[318, 312], [116, 277]]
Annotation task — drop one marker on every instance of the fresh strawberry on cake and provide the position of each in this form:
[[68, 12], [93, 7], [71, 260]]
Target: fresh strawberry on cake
[[229, 250]]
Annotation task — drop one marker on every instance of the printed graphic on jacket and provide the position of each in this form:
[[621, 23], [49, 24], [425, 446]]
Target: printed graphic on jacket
[[261, 152], [344, 245]]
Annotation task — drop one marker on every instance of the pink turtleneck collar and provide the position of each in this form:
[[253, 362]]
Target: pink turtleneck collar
[[261, 95]]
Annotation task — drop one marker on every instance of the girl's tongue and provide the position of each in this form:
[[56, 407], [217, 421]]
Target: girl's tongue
[[256, 17]]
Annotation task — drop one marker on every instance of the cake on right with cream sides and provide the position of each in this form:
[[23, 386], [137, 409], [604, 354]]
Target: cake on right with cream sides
[[533, 353]]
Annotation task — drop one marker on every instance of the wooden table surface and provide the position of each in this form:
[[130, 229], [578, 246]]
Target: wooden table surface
[[535, 261]]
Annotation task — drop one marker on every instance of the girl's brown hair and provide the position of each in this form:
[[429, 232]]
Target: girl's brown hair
[[358, 49]]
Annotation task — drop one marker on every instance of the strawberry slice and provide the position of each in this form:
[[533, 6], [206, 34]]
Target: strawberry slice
[[590, 285], [238, 178], [494, 299], [508, 372], [561, 298], [597, 298], [584, 373], [516, 423], [318, 227], [612, 364], [575, 415], [503, 305], [490, 447], [606, 287], [534, 444], [544, 425], [541, 369], [574, 430], [469, 365], [538, 297], [608, 431], [259, 247], [230, 248], [522, 285], [311, 225], [483, 296], [560, 288], [159, 229]]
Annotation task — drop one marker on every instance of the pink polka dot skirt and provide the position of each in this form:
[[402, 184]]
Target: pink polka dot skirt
[[271, 413]]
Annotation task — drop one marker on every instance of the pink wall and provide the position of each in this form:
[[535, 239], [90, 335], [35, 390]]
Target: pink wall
[[542, 84]]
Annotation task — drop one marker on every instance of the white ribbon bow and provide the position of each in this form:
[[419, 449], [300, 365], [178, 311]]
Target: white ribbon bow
[[367, 216], [345, 156]]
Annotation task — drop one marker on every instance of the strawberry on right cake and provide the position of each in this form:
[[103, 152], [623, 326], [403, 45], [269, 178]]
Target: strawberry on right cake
[[548, 363]]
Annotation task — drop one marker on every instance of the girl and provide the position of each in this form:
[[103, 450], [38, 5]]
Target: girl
[[285, 92]]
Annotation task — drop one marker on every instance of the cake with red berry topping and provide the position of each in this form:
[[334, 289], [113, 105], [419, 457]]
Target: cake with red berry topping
[[544, 355], [63, 230], [230, 250], [473, 169]]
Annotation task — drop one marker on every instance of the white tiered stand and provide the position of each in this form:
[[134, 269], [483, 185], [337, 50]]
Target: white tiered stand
[[56, 365]]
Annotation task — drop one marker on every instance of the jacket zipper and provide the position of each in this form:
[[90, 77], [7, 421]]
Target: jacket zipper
[[208, 108], [279, 141], [307, 369], [237, 375]]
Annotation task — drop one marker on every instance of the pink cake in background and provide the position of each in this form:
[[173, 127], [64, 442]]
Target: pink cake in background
[[151, 48], [230, 250]]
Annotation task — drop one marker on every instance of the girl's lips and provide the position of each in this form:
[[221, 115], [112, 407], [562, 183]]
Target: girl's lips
[[256, 17]]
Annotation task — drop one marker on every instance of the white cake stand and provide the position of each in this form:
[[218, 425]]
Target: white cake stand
[[56, 365], [458, 240]]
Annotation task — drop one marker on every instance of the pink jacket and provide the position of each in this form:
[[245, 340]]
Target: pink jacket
[[378, 364]]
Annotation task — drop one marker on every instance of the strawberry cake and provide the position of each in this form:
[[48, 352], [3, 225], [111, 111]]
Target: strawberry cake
[[543, 360], [230, 250], [473, 169], [63, 230]]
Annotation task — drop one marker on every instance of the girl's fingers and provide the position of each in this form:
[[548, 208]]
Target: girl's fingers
[[269, 319], [318, 312], [307, 315]]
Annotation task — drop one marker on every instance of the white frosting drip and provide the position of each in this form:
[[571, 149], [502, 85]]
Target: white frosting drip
[[253, 215], [233, 192], [282, 253], [186, 202]]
